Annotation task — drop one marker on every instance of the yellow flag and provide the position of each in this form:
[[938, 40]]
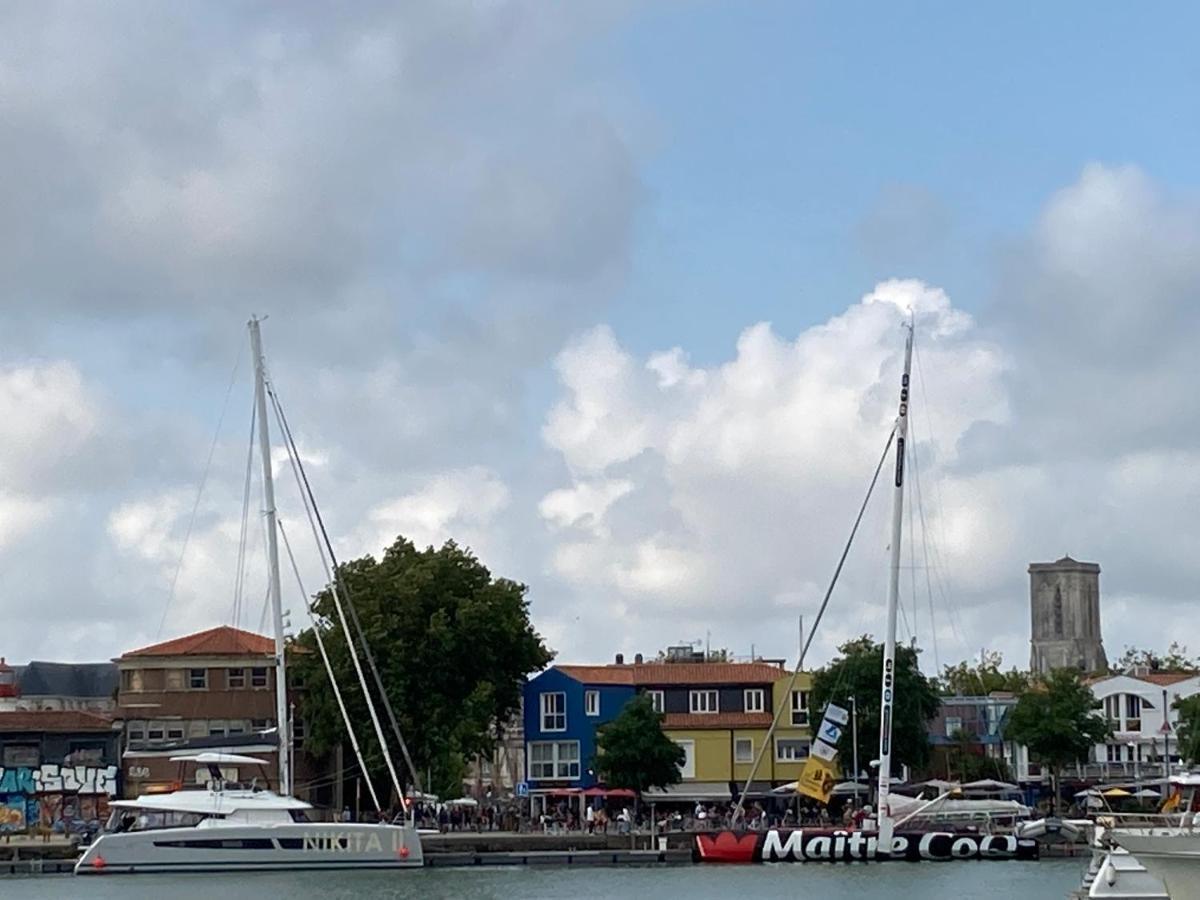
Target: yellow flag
[[818, 779]]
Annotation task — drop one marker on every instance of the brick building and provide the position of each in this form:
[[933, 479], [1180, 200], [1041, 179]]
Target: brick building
[[58, 769], [215, 688]]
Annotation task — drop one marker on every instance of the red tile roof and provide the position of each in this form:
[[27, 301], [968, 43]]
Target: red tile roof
[[599, 674], [717, 720], [56, 720], [644, 674], [707, 673], [1162, 679], [221, 641]]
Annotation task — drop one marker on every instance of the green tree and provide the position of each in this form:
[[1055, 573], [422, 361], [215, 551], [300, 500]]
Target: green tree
[[1057, 720], [1176, 659], [1189, 728], [453, 645], [632, 752], [856, 673], [964, 764], [982, 678]]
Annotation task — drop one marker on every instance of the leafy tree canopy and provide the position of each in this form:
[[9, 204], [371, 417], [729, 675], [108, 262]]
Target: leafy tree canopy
[[453, 645], [856, 673], [632, 751], [963, 763], [1057, 720], [1189, 728], [982, 678], [1176, 659]]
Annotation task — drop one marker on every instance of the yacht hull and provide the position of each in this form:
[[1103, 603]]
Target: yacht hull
[[239, 848], [826, 845], [1170, 856]]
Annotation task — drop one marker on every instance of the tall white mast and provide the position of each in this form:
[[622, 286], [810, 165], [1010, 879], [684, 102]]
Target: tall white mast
[[264, 441], [889, 645]]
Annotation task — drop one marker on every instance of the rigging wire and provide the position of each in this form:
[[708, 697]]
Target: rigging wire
[[240, 575], [337, 693], [779, 707], [212, 449], [335, 582], [338, 585]]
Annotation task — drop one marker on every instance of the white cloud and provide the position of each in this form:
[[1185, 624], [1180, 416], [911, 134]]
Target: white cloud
[[459, 504], [583, 505]]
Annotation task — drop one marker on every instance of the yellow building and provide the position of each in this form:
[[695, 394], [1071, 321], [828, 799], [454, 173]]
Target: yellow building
[[720, 713]]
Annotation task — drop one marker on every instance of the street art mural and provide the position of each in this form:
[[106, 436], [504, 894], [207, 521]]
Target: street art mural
[[55, 797]]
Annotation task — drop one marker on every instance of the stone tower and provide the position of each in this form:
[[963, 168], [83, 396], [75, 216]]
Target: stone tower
[[1064, 600]]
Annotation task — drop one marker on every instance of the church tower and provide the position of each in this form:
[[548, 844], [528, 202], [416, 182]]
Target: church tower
[[1064, 599]]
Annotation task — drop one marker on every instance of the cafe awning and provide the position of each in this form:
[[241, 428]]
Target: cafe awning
[[692, 792]]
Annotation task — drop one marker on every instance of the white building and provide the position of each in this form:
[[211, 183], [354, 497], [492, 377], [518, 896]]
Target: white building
[[1144, 726]]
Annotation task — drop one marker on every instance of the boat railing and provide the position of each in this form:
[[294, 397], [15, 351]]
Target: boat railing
[[1185, 822]]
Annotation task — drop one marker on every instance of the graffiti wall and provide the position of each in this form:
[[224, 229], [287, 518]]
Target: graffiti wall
[[55, 797]]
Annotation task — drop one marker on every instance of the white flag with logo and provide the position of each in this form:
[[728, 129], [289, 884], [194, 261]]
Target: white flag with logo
[[822, 750], [830, 732], [836, 714]]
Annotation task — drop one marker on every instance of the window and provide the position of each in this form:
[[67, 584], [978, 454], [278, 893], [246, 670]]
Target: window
[[591, 703], [553, 759], [297, 730], [1133, 712], [136, 731], [703, 701], [953, 724], [753, 700], [1112, 710], [198, 679], [260, 724], [790, 750], [173, 679], [743, 750], [258, 678], [216, 728], [236, 728], [799, 707], [155, 731], [554, 712], [175, 733], [1113, 752], [656, 700], [131, 680], [21, 756], [688, 769], [236, 679]]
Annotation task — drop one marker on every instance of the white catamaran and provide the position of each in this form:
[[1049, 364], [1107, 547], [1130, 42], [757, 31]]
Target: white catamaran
[[236, 827]]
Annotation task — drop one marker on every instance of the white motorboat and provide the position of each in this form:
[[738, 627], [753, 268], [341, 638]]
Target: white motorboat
[[1116, 874], [1169, 845], [238, 828], [230, 827]]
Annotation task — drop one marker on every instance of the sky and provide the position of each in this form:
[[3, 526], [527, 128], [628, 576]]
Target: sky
[[612, 294]]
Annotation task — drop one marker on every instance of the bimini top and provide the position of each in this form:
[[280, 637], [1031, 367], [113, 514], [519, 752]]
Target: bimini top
[[216, 758], [1187, 779], [212, 803]]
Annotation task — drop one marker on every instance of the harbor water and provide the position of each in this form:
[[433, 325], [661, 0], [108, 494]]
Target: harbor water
[[1045, 880]]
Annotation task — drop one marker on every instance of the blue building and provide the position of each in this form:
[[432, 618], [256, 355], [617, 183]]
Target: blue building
[[564, 706]]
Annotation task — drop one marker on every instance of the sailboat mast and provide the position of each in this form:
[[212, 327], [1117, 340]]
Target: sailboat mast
[[889, 645], [264, 441]]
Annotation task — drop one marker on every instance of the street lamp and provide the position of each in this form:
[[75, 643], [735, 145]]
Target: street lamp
[[854, 743]]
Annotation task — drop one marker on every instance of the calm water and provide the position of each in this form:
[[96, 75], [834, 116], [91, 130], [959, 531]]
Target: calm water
[[1047, 880]]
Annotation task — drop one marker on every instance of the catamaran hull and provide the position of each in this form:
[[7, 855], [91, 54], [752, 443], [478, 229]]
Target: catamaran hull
[[824, 845], [234, 848]]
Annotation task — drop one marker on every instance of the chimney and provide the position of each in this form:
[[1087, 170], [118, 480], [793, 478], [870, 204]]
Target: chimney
[[637, 658], [620, 659]]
